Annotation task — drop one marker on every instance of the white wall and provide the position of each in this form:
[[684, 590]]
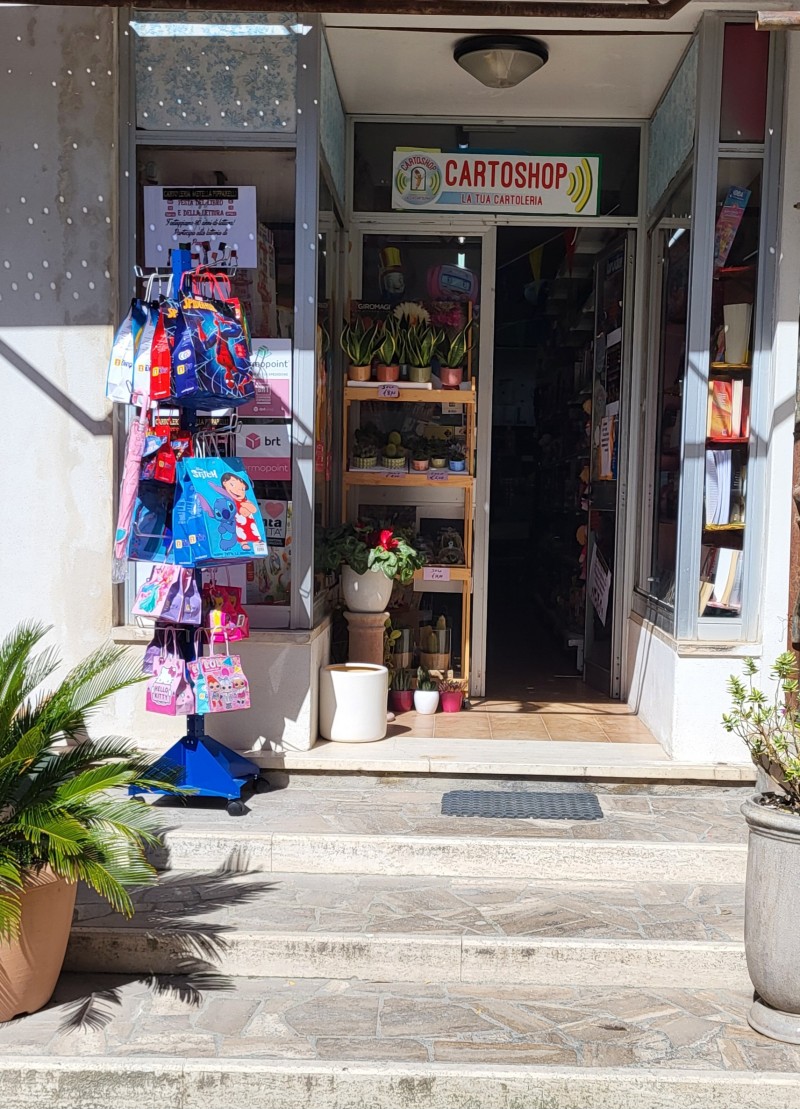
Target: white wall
[[680, 691]]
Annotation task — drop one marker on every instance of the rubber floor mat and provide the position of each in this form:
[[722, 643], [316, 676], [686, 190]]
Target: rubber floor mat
[[521, 806]]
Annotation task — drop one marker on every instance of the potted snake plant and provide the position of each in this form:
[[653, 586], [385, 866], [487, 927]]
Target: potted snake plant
[[452, 354], [422, 342], [769, 724], [387, 369], [360, 344], [62, 819]]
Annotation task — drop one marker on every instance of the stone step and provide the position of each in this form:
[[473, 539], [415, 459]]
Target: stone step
[[418, 929], [694, 835], [273, 1043]]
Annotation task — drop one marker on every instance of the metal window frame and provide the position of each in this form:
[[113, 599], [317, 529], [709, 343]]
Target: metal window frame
[[709, 151]]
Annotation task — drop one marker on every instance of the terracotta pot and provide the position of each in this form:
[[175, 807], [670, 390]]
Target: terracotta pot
[[31, 964], [369, 592], [387, 373], [451, 376], [771, 907], [420, 374], [359, 373], [419, 463], [401, 700], [451, 700]]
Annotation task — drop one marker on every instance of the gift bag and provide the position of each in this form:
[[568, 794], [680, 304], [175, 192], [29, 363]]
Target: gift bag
[[150, 538], [223, 615], [216, 519], [119, 380], [220, 683], [160, 360], [170, 594], [142, 377], [183, 375], [169, 691], [221, 353]]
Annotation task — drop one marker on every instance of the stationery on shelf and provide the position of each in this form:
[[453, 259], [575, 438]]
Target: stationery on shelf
[[726, 477], [728, 221], [728, 409]]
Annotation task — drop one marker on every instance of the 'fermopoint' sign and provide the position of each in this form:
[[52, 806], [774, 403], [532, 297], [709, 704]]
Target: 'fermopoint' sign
[[547, 186]]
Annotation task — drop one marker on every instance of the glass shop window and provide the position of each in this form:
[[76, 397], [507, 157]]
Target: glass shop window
[[745, 62]]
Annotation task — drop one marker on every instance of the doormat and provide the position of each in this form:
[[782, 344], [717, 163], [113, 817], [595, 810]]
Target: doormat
[[520, 806]]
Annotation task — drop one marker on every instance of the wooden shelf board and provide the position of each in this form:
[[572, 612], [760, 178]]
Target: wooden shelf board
[[729, 441], [457, 573], [426, 396], [403, 477], [720, 529], [721, 366]]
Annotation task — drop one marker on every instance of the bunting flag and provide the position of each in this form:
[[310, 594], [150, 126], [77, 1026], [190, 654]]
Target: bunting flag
[[571, 239], [535, 260]]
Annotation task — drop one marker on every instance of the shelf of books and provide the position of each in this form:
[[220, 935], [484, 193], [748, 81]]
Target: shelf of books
[[728, 422]]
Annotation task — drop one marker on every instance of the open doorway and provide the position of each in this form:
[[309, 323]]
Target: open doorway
[[553, 533]]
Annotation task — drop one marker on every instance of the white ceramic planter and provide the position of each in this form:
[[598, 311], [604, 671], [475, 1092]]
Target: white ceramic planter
[[352, 702], [369, 592], [426, 701]]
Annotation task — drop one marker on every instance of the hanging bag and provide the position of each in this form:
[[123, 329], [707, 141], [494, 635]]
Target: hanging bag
[[160, 360], [169, 691], [170, 594], [142, 377], [220, 682], [216, 519], [221, 354], [223, 615], [119, 380], [150, 535]]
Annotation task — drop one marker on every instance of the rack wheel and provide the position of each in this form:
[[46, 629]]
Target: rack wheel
[[236, 808], [137, 797], [261, 785]]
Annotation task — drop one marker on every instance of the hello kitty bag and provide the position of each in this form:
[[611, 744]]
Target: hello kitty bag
[[168, 690]]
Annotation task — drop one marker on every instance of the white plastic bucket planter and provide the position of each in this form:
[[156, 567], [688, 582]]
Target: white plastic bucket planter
[[352, 702], [369, 592]]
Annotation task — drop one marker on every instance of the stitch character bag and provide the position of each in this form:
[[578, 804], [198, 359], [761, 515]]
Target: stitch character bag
[[216, 519]]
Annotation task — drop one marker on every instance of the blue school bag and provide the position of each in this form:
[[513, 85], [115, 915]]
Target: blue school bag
[[216, 519]]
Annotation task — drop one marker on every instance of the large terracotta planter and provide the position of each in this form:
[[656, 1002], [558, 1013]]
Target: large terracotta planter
[[369, 592], [772, 910], [31, 964]]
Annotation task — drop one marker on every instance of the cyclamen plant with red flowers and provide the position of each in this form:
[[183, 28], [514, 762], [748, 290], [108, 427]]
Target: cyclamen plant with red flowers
[[363, 547]]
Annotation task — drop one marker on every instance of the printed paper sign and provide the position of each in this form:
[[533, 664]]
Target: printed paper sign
[[552, 186], [599, 585], [271, 363], [265, 450], [218, 224], [275, 517]]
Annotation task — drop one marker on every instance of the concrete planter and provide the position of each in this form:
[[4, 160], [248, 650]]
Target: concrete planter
[[352, 702], [31, 964], [369, 592], [772, 909]]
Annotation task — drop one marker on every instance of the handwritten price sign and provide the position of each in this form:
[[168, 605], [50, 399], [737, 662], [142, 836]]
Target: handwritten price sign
[[388, 392], [436, 573], [438, 475]]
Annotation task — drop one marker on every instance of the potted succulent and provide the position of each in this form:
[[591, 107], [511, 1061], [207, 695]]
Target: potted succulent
[[769, 724], [393, 455], [426, 695], [422, 342], [360, 344], [451, 694], [457, 458], [59, 824], [370, 560], [439, 456], [386, 368], [453, 351], [365, 456], [403, 648], [401, 695], [420, 456], [434, 645]]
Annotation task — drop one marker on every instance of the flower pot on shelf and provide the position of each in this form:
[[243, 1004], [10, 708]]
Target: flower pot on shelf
[[420, 375], [438, 463], [393, 461], [386, 373], [451, 376], [364, 462], [419, 463], [401, 700], [435, 648], [352, 702], [31, 963], [368, 592], [359, 373], [451, 700], [458, 465], [426, 701], [770, 919]]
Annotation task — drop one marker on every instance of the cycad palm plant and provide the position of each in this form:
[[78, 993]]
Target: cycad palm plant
[[57, 802]]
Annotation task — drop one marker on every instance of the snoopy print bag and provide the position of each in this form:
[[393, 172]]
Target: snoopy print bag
[[216, 519]]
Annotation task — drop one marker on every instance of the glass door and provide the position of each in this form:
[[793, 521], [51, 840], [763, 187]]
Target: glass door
[[604, 563]]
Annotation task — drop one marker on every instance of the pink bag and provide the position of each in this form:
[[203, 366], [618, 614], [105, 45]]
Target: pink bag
[[169, 594], [168, 690], [223, 616], [219, 683]]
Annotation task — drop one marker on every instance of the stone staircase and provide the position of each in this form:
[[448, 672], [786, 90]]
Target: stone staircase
[[345, 945]]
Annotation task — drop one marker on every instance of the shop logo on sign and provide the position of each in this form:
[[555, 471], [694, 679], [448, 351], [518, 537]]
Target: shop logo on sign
[[418, 179], [581, 185]]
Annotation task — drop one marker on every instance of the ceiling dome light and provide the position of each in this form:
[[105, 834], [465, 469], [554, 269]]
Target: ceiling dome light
[[500, 61]]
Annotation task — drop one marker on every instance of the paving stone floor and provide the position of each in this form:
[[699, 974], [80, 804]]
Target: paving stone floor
[[709, 815], [107, 1015], [455, 906]]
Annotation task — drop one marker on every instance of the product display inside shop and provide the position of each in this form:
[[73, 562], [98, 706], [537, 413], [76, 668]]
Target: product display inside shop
[[188, 511]]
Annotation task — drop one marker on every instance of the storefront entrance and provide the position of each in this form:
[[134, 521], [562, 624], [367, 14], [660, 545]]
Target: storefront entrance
[[560, 344]]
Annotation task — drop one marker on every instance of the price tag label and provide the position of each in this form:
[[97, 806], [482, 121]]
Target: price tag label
[[390, 392], [395, 473], [436, 573], [451, 408], [438, 475]]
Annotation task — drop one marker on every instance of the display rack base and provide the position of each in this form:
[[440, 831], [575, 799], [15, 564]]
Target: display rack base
[[204, 767]]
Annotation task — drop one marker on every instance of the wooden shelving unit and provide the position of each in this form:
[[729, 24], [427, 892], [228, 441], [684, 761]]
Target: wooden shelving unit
[[452, 578]]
